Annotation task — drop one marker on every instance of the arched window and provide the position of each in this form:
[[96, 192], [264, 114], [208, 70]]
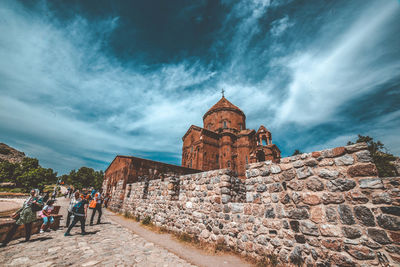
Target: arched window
[[264, 142], [209, 126], [225, 125], [229, 164]]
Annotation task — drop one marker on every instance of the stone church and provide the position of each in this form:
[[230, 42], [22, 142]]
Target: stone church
[[225, 142]]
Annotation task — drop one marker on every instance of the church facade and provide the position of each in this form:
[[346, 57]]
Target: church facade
[[225, 142]]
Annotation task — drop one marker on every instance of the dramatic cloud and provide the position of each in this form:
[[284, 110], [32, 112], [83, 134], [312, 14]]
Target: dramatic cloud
[[78, 87]]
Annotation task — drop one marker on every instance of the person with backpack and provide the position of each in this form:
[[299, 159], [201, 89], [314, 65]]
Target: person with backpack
[[46, 215], [75, 199], [98, 199], [24, 216], [79, 211]]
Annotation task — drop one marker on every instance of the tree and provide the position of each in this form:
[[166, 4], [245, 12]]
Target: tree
[[27, 175], [297, 152], [83, 178], [7, 170], [381, 158]]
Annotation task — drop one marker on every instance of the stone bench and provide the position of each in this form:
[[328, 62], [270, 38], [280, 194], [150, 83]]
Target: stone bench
[[6, 225]]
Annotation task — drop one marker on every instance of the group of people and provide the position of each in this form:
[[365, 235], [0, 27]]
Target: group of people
[[77, 211], [27, 214]]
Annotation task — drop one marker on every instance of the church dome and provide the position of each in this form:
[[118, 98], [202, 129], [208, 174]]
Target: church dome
[[223, 116], [223, 104]]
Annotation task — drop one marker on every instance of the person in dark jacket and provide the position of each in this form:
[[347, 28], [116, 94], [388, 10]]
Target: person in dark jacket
[[26, 216]]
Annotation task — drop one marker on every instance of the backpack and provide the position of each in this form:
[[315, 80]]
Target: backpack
[[77, 208]]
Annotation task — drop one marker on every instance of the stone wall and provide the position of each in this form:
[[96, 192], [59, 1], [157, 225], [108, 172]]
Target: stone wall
[[6, 225], [325, 208]]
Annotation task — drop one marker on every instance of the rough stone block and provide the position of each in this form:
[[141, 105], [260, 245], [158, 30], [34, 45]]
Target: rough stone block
[[328, 174], [360, 252], [332, 244], [311, 162], [361, 170], [298, 164], [314, 184], [332, 198], [295, 185], [345, 214], [340, 185], [341, 260], [389, 222], [329, 230], [304, 172], [275, 187], [311, 199], [275, 169], [316, 214], [300, 239], [288, 175], [364, 156], [394, 210], [356, 147], [373, 183], [351, 232], [364, 215], [356, 197], [236, 207], [298, 214], [309, 228], [344, 160], [294, 225], [379, 236]]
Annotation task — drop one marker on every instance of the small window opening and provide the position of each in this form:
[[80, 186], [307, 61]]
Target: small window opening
[[247, 160], [264, 142], [217, 158], [229, 164], [225, 125]]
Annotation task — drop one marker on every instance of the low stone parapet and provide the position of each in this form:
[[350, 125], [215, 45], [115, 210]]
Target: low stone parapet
[[7, 224]]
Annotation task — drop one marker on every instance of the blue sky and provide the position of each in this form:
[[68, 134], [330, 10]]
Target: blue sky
[[83, 81]]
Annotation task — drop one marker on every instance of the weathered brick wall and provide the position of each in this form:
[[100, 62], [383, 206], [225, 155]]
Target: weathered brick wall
[[322, 208]]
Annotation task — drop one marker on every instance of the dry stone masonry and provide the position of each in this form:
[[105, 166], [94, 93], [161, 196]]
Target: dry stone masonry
[[326, 208]]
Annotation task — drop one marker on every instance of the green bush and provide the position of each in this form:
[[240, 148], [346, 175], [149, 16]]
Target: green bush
[[17, 190], [146, 220]]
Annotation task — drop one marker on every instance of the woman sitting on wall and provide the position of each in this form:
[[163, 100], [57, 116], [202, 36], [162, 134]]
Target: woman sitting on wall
[[25, 216]]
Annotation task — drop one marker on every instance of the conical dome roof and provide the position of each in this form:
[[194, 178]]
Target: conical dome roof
[[223, 104]]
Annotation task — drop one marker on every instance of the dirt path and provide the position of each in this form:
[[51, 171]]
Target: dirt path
[[186, 252]]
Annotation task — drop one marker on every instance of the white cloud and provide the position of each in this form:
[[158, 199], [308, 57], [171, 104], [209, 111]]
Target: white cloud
[[61, 91], [59, 88], [278, 27], [339, 68]]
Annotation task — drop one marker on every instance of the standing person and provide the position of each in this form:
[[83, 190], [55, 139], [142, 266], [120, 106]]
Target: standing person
[[72, 203], [54, 194], [106, 200], [46, 197], [26, 216], [99, 200], [46, 215], [79, 210]]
